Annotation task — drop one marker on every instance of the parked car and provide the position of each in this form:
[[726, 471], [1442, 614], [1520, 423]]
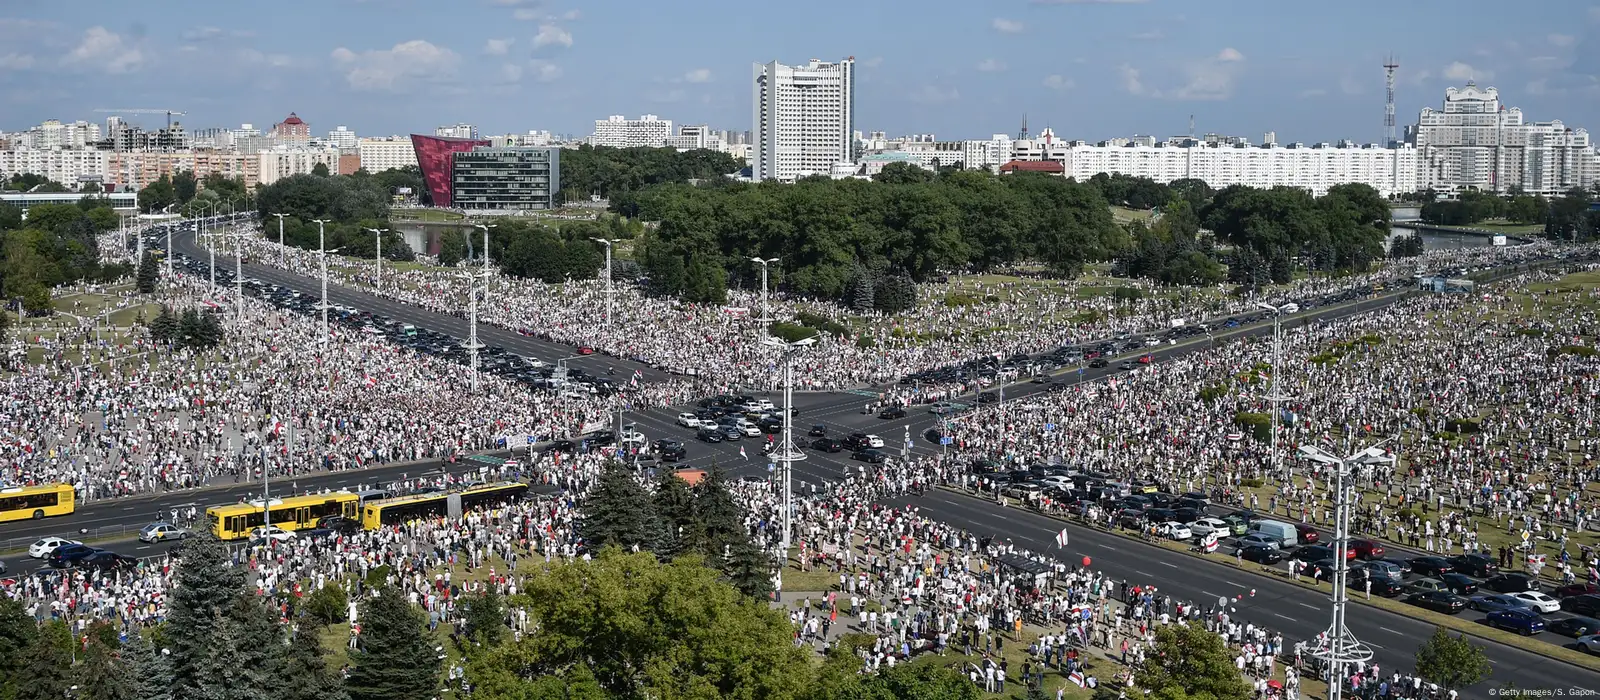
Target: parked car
[[1440, 601], [1510, 583], [43, 547], [1257, 539], [1307, 533], [670, 450], [892, 412], [1206, 526], [1538, 601], [68, 555], [1520, 620], [708, 434], [1576, 626], [1573, 589], [870, 456], [1590, 643], [1588, 604], [339, 524], [1491, 602], [818, 430], [108, 561], [1430, 566], [1174, 531], [1474, 565], [1459, 584], [1427, 585], [1366, 549], [1261, 554], [161, 532]]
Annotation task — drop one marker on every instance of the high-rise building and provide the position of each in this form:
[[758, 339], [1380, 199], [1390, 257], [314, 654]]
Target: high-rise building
[[292, 130], [534, 137], [386, 153], [803, 118], [342, 138], [456, 131], [284, 161], [1476, 142], [505, 179], [617, 131], [67, 166], [433, 156]]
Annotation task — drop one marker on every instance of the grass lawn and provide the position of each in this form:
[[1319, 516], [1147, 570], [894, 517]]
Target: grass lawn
[[424, 215], [1125, 215], [1510, 228]]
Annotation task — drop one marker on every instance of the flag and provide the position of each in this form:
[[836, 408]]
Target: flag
[[636, 377], [742, 454], [1077, 679], [1061, 538], [1210, 543], [369, 380]]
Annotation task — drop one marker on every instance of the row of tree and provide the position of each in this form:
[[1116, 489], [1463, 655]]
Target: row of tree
[[57, 244], [190, 329], [590, 171]]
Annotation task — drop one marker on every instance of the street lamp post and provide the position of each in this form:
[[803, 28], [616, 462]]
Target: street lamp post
[[283, 255], [786, 453], [766, 315], [322, 257], [238, 271], [472, 320], [1339, 646], [607, 243], [485, 228], [377, 263], [1277, 365]]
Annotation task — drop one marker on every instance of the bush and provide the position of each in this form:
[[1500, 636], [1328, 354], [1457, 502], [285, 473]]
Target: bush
[[327, 605], [1326, 358], [1085, 317], [821, 323], [790, 332], [866, 341], [1213, 392], [378, 576], [1583, 351], [1251, 483], [1259, 425], [960, 299], [1462, 426], [1127, 294]]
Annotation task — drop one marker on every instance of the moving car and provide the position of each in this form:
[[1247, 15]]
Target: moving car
[[1520, 620], [874, 442], [892, 412], [870, 456], [108, 561], [827, 445], [339, 525], [1440, 601], [688, 420], [818, 430], [943, 408], [670, 450], [43, 547], [68, 555], [162, 532], [270, 532]]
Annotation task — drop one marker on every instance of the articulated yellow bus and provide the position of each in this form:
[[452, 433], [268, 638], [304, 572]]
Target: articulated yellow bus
[[235, 521], [392, 511], [25, 502]]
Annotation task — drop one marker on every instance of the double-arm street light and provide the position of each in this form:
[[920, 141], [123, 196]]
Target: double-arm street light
[[1339, 647], [322, 257], [283, 254], [1277, 365], [485, 228], [472, 319], [377, 263], [607, 243], [766, 316], [786, 453]]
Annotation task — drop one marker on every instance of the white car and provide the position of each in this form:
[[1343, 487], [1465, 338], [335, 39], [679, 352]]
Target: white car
[[44, 547], [1174, 531], [689, 420], [943, 408], [1538, 601], [1058, 481], [1206, 526], [271, 532], [633, 437], [749, 429], [875, 442]]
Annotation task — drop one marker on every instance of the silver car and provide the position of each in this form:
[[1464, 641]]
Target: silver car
[[162, 532]]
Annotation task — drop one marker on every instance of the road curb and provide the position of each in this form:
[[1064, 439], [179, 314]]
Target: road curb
[[1539, 650]]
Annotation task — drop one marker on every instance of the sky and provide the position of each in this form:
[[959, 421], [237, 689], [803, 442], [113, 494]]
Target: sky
[[959, 69]]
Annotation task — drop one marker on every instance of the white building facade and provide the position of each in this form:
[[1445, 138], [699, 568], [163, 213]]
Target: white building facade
[[285, 161], [987, 155], [342, 137], [803, 118], [617, 131], [66, 166], [1476, 142], [457, 131], [386, 153]]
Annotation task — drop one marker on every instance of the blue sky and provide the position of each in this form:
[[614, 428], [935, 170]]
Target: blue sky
[[956, 68]]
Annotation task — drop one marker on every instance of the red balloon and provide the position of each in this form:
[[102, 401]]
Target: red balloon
[[1085, 561]]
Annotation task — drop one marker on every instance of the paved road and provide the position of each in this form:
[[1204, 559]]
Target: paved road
[[1277, 604]]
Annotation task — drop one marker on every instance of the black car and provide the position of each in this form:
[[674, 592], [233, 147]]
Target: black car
[[730, 433], [770, 425], [933, 435], [1042, 379], [1261, 554], [1385, 587], [1098, 363], [1510, 583], [857, 441], [69, 555], [1574, 627], [827, 445], [1582, 605], [818, 430], [670, 450], [1430, 566], [870, 456], [1439, 601], [712, 434], [892, 412], [108, 561], [987, 397], [1459, 584], [1474, 565], [339, 524]]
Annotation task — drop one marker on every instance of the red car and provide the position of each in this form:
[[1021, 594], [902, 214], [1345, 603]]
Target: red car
[[585, 350], [1573, 589], [1307, 534], [1144, 360], [1366, 549]]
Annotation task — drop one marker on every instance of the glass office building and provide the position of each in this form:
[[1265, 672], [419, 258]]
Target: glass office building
[[506, 179]]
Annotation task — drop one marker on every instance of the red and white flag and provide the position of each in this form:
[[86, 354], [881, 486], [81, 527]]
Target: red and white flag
[[369, 380], [742, 454], [1061, 538]]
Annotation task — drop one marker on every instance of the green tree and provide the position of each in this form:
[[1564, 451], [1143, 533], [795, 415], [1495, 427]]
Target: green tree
[[1189, 662], [17, 632], [749, 569], [452, 250], [636, 627], [484, 616], [328, 604], [903, 174], [320, 170], [184, 186], [926, 681], [394, 659], [705, 282], [10, 216], [205, 588], [103, 219], [164, 328], [674, 504], [151, 670], [721, 517], [45, 666], [102, 674], [157, 196], [49, 217], [149, 274], [618, 511], [1451, 661], [305, 671]]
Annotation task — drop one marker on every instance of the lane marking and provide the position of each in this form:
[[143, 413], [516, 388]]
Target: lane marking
[[1103, 546], [1234, 583], [1390, 631], [1286, 617], [1168, 563], [1374, 646], [1308, 605], [1209, 593], [1143, 573]]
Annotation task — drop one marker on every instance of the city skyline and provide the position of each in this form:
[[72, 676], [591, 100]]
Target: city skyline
[[1087, 69]]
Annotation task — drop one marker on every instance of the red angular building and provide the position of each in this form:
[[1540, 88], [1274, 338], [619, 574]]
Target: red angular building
[[433, 159]]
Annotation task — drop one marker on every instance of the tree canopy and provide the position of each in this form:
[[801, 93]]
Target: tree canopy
[[613, 173], [56, 244]]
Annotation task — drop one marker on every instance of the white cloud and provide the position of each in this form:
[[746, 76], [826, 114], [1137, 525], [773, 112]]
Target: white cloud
[[1008, 26], [990, 65], [1230, 55], [673, 95], [552, 35], [1210, 78], [498, 47], [544, 71], [1462, 71], [1130, 79], [270, 60], [1562, 40], [395, 69], [873, 62], [1058, 82], [106, 50], [698, 75], [932, 94], [1152, 35], [16, 61], [202, 33], [527, 14], [511, 72], [571, 15], [1313, 92]]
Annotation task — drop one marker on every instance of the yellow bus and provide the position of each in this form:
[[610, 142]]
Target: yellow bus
[[392, 511], [235, 520], [25, 502]]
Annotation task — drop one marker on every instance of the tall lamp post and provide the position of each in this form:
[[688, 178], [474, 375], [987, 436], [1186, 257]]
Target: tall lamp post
[[322, 258], [1339, 646], [485, 228], [1277, 365], [472, 320], [210, 246], [766, 316], [377, 263], [283, 255], [238, 270], [607, 243], [786, 453]]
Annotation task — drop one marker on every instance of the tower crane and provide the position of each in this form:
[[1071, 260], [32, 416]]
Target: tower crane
[[169, 112]]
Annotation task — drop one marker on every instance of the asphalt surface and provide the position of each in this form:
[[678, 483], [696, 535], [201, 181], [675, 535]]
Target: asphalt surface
[[1276, 604]]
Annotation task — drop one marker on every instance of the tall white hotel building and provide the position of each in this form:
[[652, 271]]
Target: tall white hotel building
[[804, 118]]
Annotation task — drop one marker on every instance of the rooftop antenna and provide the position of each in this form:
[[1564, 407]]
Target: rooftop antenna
[[1022, 135], [1388, 107], [1191, 127]]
